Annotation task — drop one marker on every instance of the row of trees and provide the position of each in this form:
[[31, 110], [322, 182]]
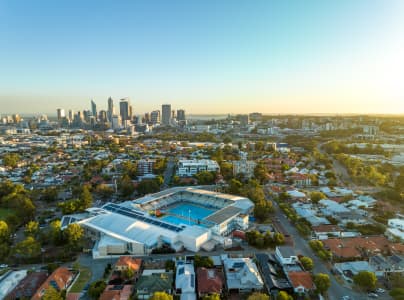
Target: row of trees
[[266, 240]]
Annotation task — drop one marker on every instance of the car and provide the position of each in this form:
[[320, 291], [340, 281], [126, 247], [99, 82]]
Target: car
[[380, 290], [346, 298], [3, 266], [373, 295]]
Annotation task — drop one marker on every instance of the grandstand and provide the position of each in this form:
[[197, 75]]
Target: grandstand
[[189, 218]]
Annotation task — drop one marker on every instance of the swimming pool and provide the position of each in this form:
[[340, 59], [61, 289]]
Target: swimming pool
[[185, 212]]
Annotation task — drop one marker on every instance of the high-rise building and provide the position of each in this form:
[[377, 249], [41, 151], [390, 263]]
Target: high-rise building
[[110, 110], [181, 117], [102, 116], [166, 114], [71, 115], [155, 117], [94, 109], [124, 111], [60, 113]]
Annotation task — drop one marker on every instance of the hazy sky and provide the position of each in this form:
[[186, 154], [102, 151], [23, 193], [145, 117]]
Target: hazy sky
[[207, 56]]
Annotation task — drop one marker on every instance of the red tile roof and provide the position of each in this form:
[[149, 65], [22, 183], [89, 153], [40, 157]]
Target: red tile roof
[[209, 280], [61, 277], [129, 262], [301, 279]]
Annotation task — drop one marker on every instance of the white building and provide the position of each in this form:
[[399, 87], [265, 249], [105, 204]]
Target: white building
[[187, 168], [286, 255], [245, 167], [185, 281], [242, 275], [395, 229]]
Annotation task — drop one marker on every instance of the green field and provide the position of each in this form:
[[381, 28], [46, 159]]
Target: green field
[[84, 277], [5, 212]]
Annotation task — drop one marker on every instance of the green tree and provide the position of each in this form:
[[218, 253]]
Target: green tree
[[11, 159], [203, 261], [128, 274], [31, 228], [278, 238], [261, 172], [161, 296], [148, 187], [316, 197], [307, 263], [365, 280], [322, 282], [28, 248], [49, 194], [74, 234], [4, 232], [55, 232], [205, 177], [258, 296], [86, 199], [125, 186], [104, 191], [96, 288], [283, 296], [212, 297], [52, 294]]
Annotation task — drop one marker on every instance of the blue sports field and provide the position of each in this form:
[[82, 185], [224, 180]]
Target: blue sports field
[[186, 211]]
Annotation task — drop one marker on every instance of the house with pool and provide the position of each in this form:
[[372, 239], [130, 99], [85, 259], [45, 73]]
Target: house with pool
[[182, 218]]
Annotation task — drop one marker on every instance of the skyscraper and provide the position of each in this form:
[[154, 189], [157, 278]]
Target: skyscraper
[[110, 110], [124, 111], [71, 115], [166, 114], [181, 117], [155, 117], [60, 113], [93, 109]]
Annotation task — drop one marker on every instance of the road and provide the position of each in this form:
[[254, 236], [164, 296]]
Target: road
[[336, 290], [168, 173]]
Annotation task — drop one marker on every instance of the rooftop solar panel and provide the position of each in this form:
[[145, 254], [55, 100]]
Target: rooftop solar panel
[[139, 216]]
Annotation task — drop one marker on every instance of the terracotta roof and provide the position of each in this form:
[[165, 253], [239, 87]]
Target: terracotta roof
[[129, 262], [209, 280], [301, 279], [59, 279], [28, 286], [116, 292], [73, 296], [326, 228]]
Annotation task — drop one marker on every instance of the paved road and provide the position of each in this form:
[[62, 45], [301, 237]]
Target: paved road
[[336, 290], [168, 173]]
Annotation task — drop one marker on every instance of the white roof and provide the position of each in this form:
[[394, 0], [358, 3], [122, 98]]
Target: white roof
[[296, 194], [333, 207], [128, 229], [185, 278], [10, 281], [242, 273]]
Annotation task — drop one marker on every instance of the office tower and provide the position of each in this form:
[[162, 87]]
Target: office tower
[[146, 118], [180, 115], [244, 120], [60, 113], [71, 115], [102, 116], [130, 116], [166, 114], [155, 117], [110, 110], [94, 109], [87, 115], [116, 121], [124, 111]]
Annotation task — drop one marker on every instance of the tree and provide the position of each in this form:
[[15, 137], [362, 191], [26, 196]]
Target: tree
[[316, 197], [212, 297], [28, 248], [203, 261], [258, 296], [128, 274], [96, 289], [279, 239], [307, 263], [365, 280], [283, 296], [55, 232], [322, 282], [4, 232], [86, 199], [52, 294], [148, 187], [205, 177], [125, 186], [11, 160], [261, 172], [74, 234], [104, 191], [31, 229], [161, 296], [49, 194]]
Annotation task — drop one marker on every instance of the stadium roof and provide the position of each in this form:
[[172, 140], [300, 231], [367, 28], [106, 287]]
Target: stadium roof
[[224, 214]]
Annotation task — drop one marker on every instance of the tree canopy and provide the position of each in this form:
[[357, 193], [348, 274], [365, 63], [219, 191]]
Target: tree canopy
[[365, 280], [322, 282]]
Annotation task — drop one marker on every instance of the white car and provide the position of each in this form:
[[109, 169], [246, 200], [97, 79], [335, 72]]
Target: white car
[[380, 290], [373, 295], [346, 298], [2, 266]]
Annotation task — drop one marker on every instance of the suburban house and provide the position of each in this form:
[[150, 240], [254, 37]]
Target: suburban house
[[210, 281], [127, 262], [301, 281], [154, 281], [286, 255], [116, 292], [322, 232], [60, 279], [28, 286], [383, 265], [185, 280], [242, 275]]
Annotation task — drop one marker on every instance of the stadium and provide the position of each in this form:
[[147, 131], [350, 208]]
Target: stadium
[[181, 218]]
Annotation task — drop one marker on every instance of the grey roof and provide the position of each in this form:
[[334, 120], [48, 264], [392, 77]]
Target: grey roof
[[287, 251], [224, 214]]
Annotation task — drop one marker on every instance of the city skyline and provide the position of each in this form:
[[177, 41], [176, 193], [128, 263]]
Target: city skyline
[[209, 58]]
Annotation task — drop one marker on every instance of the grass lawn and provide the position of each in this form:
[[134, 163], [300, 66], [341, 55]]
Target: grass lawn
[[84, 277], [5, 212]]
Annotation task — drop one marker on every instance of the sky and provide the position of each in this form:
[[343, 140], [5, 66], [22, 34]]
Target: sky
[[207, 57]]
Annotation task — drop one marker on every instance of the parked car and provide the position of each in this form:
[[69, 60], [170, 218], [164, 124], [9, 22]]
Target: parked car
[[380, 290], [373, 295]]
